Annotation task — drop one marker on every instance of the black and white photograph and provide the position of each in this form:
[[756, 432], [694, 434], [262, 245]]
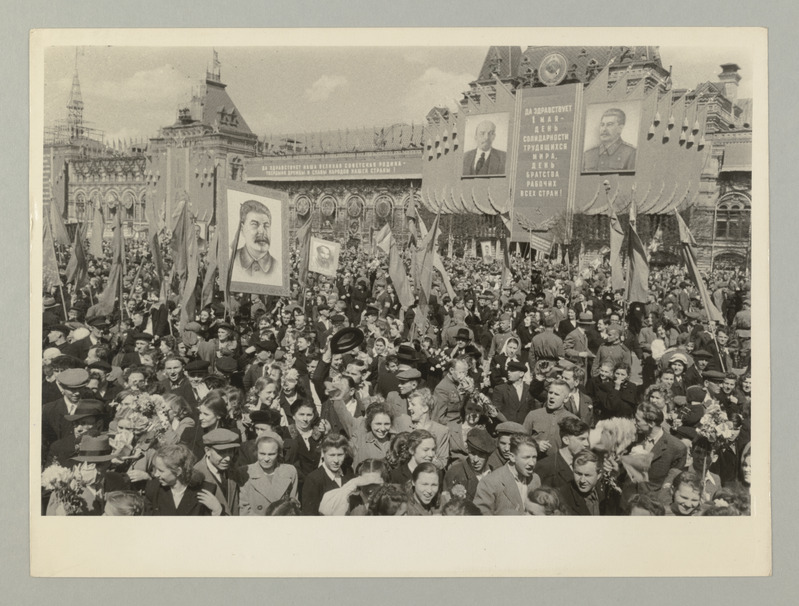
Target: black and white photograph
[[265, 294]]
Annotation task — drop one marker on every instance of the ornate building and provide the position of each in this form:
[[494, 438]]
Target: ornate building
[[350, 182]]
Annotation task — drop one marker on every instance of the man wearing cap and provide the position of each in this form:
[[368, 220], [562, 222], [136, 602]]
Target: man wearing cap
[[217, 467], [196, 371], [504, 432], [175, 380], [87, 417], [408, 379], [575, 345], [469, 471], [264, 356], [100, 373], [613, 350], [547, 345], [141, 343], [447, 397], [512, 399], [57, 336], [71, 382]]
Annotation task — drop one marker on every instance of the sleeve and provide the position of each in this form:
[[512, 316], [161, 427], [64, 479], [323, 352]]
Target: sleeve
[[484, 498], [442, 450], [336, 502], [496, 401], [244, 500], [350, 423], [568, 346], [311, 497]]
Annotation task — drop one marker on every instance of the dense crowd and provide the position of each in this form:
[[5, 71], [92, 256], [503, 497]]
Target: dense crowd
[[547, 394]]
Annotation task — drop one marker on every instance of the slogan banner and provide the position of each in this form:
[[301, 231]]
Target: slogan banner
[[360, 166], [547, 157], [323, 257]]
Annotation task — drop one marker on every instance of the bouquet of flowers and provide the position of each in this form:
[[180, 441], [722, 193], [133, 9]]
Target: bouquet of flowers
[[145, 413], [67, 486], [717, 428]]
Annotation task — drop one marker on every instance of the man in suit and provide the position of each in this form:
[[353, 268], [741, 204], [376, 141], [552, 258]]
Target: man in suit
[[612, 153], [330, 475], [55, 426], [141, 343], [469, 471], [512, 399], [175, 380], [556, 471], [447, 397], [505, 490], [669, 454], [581, 496], [576, 345], [484, 160], [217, 468], [542, 423], [578, 403]]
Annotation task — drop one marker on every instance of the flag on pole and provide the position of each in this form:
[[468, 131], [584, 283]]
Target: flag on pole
[[689, 258], [107, 298], [638, 270], [188, 300], [60, 233], [211, 270], [616, 240], [77, 267], [50, 275], [153, 232], [396, 271], [384, 239], [411, 216], [438, 264], [425, 256], [98, 226], [180, 238], [304, 243]]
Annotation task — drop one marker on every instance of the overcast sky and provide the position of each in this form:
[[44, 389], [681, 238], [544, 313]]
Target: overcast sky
[[133, 91]]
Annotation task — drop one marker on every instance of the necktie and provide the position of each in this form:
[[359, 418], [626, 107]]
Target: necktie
[[571, 405], [480, 162]]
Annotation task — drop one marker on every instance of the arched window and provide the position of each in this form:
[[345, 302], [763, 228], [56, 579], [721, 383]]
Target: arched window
[[236, 169], [733, 217]]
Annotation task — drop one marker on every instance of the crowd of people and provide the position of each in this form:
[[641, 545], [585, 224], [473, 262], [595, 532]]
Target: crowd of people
[[545, 394]]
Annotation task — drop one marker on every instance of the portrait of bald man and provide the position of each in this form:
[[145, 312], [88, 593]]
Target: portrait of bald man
[[254, 261], [485, 159]]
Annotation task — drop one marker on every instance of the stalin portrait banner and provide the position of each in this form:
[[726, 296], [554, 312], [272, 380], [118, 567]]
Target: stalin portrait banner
[[611, 137]]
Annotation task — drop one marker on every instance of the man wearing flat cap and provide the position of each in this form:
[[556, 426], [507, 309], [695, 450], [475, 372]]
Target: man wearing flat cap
[[72, 383], [469, 471], [141, 343], [57, 336], [217, 467], [512, 399], [408, 379], [175, 380]]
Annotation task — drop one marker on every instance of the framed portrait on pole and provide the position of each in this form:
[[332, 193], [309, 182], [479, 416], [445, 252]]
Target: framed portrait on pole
[[254, 238]]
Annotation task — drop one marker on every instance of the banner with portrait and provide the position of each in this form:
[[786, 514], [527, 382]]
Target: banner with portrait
[[254, 242], [610, 144], [323, 257], [485, 145]]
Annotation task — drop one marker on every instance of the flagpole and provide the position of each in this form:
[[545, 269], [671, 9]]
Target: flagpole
[[63, 301]]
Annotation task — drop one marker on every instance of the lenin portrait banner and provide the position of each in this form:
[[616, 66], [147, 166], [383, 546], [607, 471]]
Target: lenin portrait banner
[[253, 238], [485, 145]]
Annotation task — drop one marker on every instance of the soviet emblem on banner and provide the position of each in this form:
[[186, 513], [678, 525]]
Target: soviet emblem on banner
[[383, 207], [552, 70], [328, 206], [355, 206], [303, 205]]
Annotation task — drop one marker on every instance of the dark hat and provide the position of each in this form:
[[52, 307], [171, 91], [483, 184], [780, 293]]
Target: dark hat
[[517, 366], [702, 354], [337, 319], [100, 365], [94, 449], [267, 345], [511, 428], [346, 340], [695, 394], [197, 367], [268, 417], [143, 336], [99, 322], [80, 306], [479, 440], [464, 333], [49, 301], [409, 375], [586, 318], [73, 378], [226, 365], [218, 308], [406, 353], [86, 408], [713, 375], [472, 351], [679, 357], [62, 328], [486, 294], [371, 310], [685, 431], [193, 327], [221, 439], [226, 326], [506, 317]]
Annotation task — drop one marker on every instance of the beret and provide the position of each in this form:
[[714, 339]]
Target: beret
[[193, 327], [221, 438], [197, 366], [510, 427], [267, 417], [337, 319], [695, 394], [267, 345]]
